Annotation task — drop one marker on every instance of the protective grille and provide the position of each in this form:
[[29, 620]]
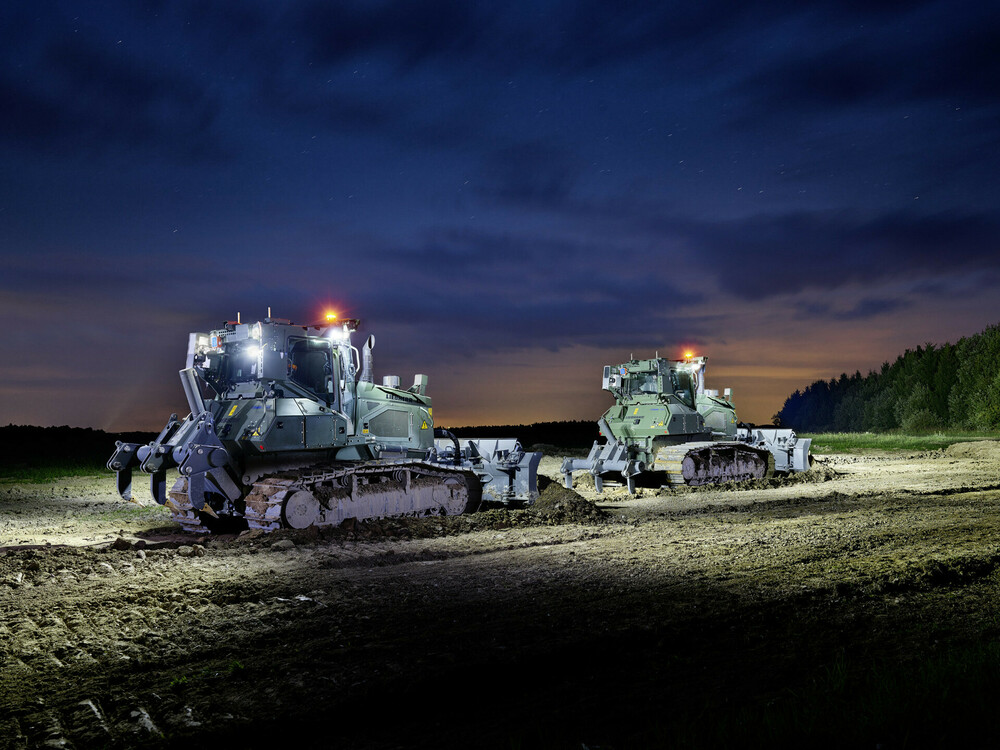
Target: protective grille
[[391, 423]]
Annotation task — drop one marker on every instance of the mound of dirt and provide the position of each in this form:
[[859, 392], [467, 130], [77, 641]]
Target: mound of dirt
[[435, 526], [819, 472], [983, 449], [556, 504]]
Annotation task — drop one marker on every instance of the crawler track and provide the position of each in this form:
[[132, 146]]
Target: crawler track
[[696, 464], [329, 496], [182, 511]]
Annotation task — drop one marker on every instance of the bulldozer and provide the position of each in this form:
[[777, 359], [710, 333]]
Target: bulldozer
[[665, 423], [288, 429]]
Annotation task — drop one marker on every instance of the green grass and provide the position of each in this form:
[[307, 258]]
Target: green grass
[[38, 474], [870, 442]]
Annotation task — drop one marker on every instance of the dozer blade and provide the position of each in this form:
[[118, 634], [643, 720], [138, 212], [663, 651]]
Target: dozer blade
[[611, 457]]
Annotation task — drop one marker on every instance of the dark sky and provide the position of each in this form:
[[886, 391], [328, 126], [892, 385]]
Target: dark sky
[[510, 195]]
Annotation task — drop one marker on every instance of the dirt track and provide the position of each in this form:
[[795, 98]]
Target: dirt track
[[558, 628]]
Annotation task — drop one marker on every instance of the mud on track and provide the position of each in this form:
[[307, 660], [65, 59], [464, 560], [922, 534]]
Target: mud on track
[[559, 627]]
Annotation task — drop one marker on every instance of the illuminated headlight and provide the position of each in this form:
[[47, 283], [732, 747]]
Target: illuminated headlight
[[337, 334], [252, 352]]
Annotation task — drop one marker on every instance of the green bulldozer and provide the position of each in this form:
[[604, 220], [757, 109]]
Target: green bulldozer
[[665, 423]]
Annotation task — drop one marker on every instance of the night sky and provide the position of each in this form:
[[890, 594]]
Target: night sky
[[509, 195]]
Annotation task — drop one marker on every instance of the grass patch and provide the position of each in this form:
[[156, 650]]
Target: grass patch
[[38, 474], [893, 442]]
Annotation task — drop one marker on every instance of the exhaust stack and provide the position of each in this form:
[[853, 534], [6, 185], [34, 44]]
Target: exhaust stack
[[367, 372]]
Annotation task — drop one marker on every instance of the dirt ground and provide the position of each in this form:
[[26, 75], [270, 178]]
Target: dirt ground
[[638, 622]]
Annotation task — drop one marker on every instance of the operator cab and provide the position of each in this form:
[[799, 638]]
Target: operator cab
[[311, 366], [681, 385], [673, 384], [274, 359]]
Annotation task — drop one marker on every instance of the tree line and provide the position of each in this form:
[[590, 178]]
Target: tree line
[[953, 386], [571, 434], [25, 447]]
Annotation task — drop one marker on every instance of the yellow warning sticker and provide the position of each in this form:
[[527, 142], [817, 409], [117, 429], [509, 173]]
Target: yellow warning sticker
[[233, 410], [636, 411], [424, 425]]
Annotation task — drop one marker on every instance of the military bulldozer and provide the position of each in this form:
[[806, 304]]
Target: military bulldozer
[[665, 423], [288, 428]]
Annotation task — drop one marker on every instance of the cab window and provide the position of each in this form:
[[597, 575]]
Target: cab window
[[682, 386], [310, 365]]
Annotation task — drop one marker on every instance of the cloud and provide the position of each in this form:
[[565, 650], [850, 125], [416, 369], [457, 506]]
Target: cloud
[[28, 116], [863, 309], [487, 289], [530, 174], [597, 276], [883, 54], [93, 97], [848, 75], [791, 253], [410, 32]]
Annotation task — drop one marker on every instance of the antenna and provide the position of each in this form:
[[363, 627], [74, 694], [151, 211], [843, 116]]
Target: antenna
[[237, 318], [269, 312]]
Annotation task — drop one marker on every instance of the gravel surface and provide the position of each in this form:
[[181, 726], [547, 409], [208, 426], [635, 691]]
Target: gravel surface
[[587, 621]]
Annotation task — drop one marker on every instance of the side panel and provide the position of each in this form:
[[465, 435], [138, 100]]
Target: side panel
[[390, 423], [301, 423], [720, 416], [325, 430], [394, 417]]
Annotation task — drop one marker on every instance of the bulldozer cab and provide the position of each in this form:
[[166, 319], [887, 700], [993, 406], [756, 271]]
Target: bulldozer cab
[[237, 365], [658, 381], [681, 385], [643, 383], [311, 365]]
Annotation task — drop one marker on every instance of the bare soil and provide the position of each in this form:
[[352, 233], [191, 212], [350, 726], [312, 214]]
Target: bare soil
[[587, 621]]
